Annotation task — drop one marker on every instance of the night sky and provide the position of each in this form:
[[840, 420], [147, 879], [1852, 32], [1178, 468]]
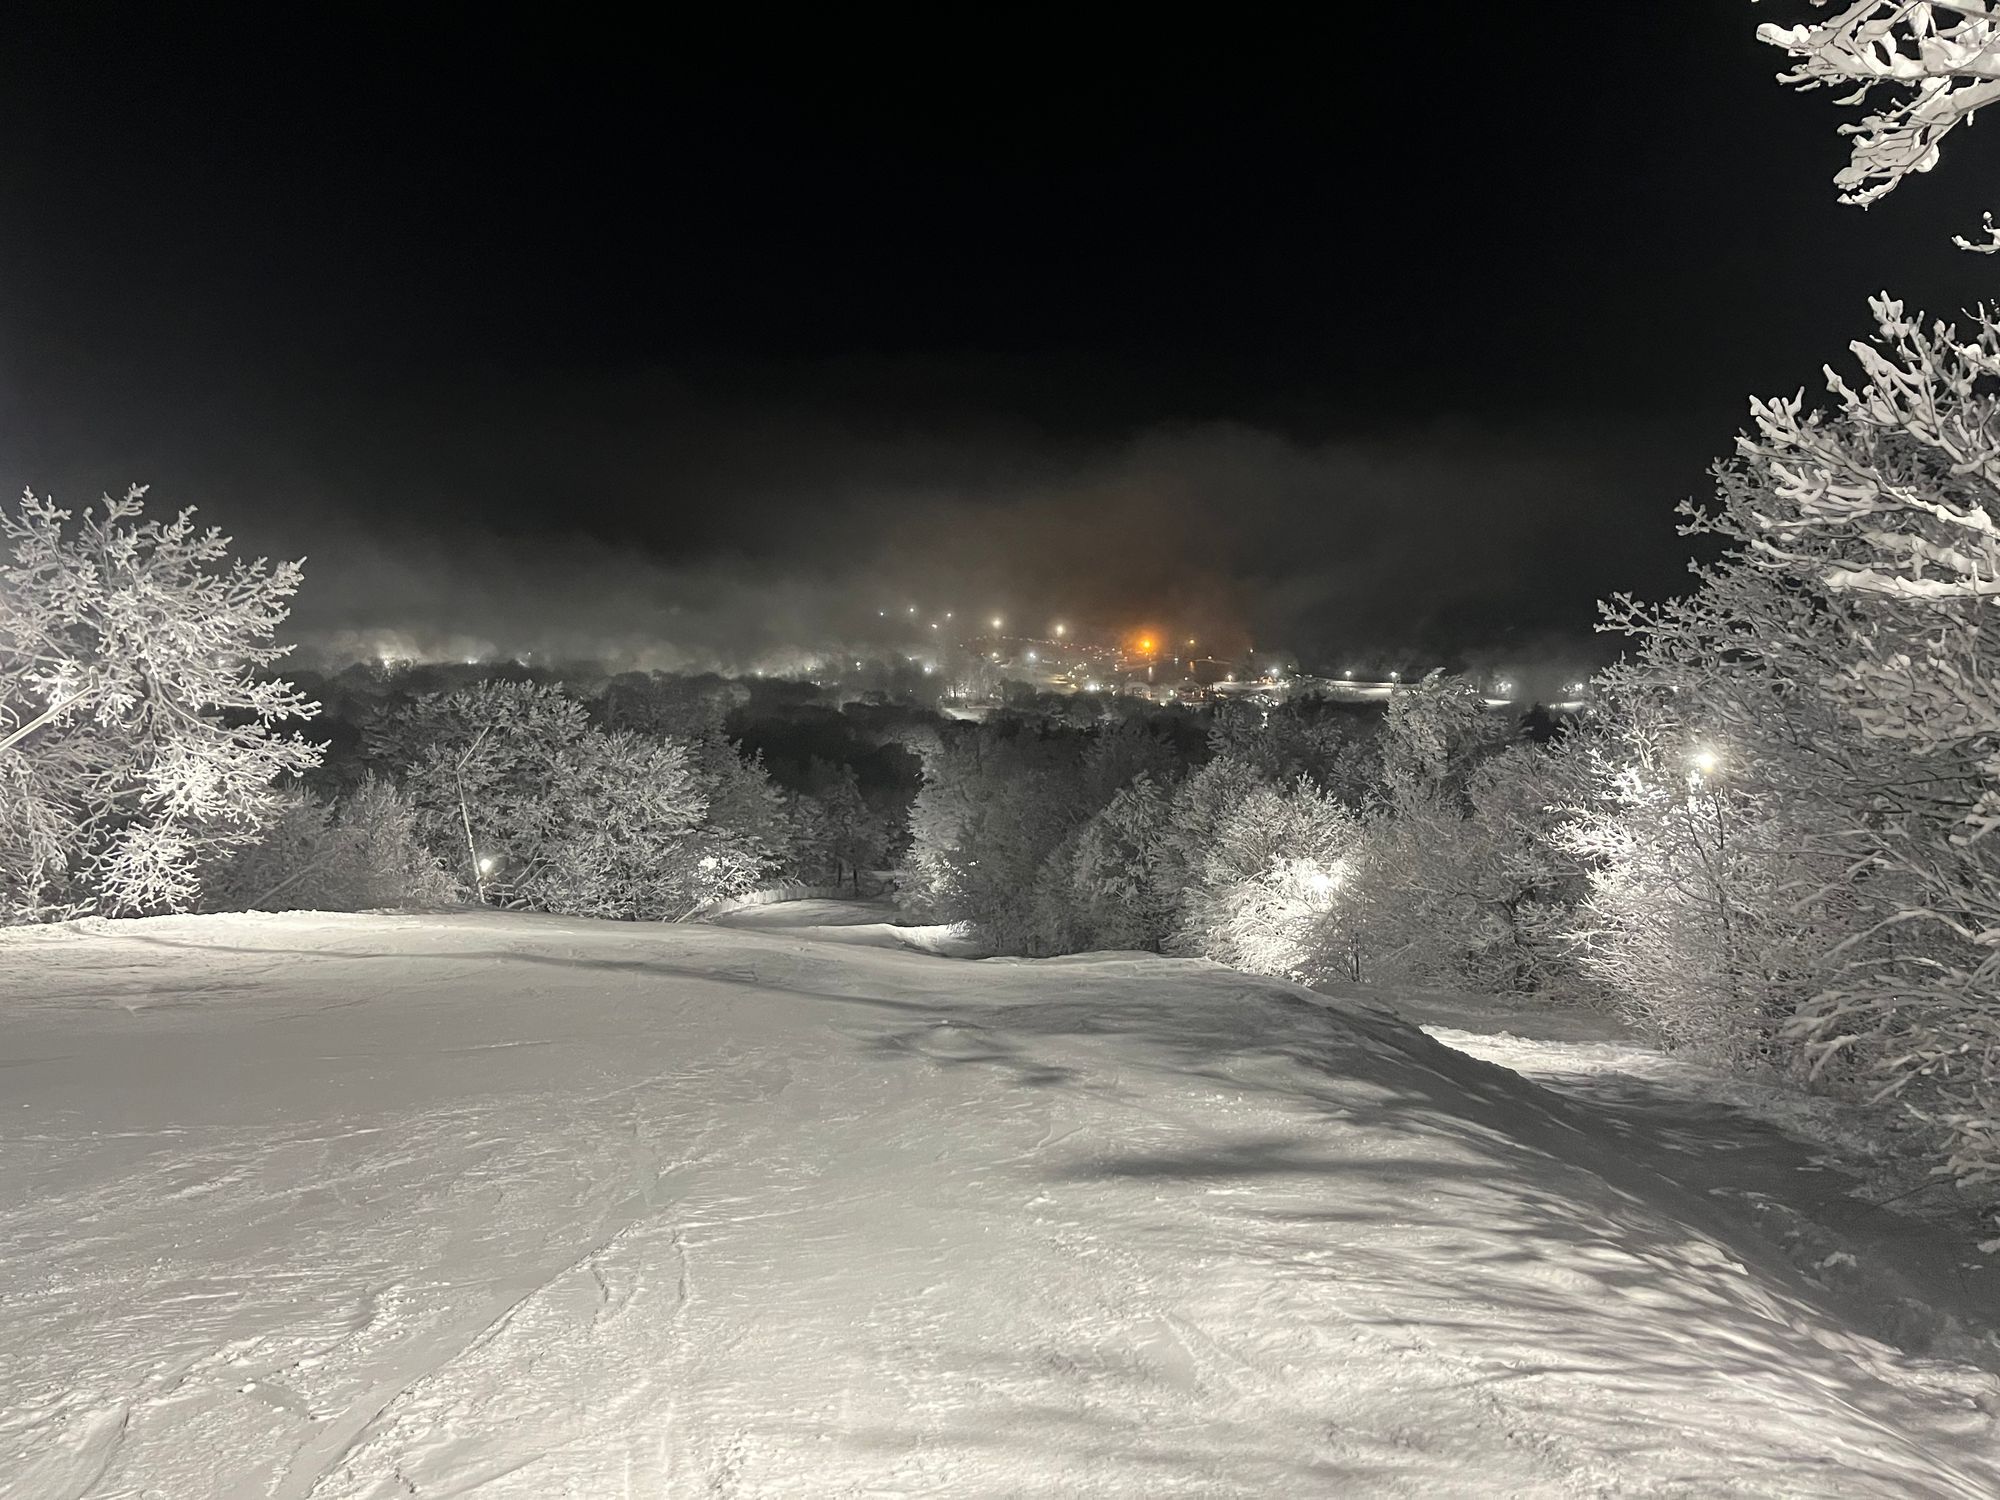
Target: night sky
[[1398, 337]]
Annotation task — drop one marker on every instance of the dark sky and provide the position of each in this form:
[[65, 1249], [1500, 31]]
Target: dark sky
[[1399, 332]]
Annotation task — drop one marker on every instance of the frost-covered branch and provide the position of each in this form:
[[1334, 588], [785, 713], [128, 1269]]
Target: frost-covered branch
[[1919, 70]]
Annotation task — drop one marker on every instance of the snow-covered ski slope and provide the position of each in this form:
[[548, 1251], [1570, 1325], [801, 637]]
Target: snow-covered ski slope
[[503, 1206]]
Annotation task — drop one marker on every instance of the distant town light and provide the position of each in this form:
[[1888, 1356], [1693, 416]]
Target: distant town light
[[1705, 760], [997, 622], [486, 864]]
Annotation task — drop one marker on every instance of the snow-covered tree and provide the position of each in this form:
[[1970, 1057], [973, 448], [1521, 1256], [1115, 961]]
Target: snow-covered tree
[[1434, 733], [746, 811], [138, 737], [1113, 869], [533, 806], [835, 834], [363, 853], [996, 802], [746, 814], [481, 765], [1202, 801], [1919, 69], [1298, 737], [1844, 654], [1883, 510], [630, 842]]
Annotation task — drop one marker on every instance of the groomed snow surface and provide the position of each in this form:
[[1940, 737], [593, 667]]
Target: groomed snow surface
[[356, 1206]]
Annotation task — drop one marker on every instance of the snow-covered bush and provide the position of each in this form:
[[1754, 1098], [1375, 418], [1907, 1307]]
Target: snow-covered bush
[[1465, 886], [362, 854], [1452, 878], [1715, 906], [1262, 887], [138, 740]]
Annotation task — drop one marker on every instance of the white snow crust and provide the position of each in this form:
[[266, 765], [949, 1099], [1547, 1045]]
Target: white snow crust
[[372, 1206]]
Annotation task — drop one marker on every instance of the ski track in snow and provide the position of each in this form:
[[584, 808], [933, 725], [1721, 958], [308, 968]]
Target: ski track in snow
[[349, 1208]]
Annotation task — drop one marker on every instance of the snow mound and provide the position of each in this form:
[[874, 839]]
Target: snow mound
[[320, 1206], [870, 924]]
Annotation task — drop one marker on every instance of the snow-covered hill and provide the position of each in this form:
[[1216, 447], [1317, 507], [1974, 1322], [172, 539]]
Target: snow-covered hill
[[390, 1206]]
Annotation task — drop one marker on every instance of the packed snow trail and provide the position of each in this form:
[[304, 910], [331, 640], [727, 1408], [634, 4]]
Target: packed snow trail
[[313, 1206]]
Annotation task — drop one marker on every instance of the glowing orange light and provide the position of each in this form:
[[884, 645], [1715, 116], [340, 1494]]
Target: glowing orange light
[[1145, 643]]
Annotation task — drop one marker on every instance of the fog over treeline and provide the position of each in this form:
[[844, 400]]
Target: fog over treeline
[[679, 531]]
